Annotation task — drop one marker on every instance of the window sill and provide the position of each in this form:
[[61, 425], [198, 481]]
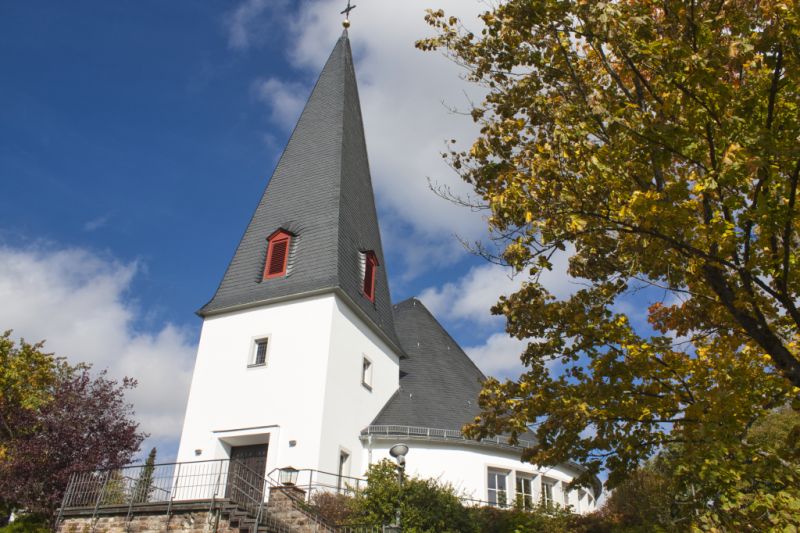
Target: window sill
[[368, 387], [256, 365]]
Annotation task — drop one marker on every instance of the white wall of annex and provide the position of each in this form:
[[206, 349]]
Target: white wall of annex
[[349, 406], [466, 467], [282, 400]]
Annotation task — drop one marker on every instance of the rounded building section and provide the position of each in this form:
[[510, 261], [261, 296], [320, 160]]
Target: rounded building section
[[487, 472]]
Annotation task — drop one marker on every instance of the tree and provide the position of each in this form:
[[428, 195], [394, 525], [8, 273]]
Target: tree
[[143, 489], [645, 502], [26, 377], [659, 141], [650, 500], [80, 422]]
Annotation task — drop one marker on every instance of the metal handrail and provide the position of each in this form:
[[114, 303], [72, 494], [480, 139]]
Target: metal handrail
[[357, 479], [201, 481], [446, 434], [168, 483], [313, 482], [297, 503]]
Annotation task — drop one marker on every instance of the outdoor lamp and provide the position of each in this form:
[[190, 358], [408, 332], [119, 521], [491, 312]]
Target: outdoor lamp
[[399, 451], [288, 476]]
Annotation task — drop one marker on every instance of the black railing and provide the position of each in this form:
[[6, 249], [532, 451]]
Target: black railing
[[313, 482], [159, 488]]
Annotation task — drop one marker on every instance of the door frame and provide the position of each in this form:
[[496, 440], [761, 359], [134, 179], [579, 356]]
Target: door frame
[[227, 439]]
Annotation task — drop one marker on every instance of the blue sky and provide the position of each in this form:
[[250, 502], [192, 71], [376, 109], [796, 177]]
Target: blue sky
[[137, 137]]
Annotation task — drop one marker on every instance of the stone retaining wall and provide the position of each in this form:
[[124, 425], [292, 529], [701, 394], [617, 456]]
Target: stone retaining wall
[[184, 521]]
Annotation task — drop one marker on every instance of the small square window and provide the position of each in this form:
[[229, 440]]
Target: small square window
[[259, 357], [366, 373]]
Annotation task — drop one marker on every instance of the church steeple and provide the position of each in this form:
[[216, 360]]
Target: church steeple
[[320, 194]]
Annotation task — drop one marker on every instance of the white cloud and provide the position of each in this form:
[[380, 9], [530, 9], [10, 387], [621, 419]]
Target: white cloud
[[471, 297], [499, 356], [77, 301], [95, 223], [469, 300], [285, 99]]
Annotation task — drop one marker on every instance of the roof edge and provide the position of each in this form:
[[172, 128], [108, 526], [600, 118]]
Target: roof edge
[[336, 290], [440, 326]]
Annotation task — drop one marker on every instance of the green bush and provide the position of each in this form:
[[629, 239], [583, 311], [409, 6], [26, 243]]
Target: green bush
[[494, 520], [333, 507], [430, 506], [427, 505], [27, 524]]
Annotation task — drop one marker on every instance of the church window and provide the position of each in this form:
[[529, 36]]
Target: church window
[[344, 469], [548, 487], [259, 355], [366, 373], [370, 265], [497, 488], [524, 491], [277, 254]]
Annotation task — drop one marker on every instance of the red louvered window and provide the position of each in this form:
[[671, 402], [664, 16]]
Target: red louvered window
[[277, 254], [370, 265]]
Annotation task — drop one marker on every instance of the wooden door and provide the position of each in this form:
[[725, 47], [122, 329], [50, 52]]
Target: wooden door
[[246, 474]]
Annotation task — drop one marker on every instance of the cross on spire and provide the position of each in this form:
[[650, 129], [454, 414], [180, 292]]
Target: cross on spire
[[346, 12]]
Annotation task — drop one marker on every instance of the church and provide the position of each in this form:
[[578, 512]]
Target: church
[[305, 363]]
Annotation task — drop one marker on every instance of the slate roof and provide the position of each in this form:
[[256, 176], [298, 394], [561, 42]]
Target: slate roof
[[321, 191], [439, 383]]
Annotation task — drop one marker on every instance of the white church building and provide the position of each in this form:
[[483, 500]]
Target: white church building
[[305, 361]]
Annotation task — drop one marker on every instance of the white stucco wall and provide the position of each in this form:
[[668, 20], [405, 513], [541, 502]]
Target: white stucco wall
[[306, 402], [231, 403], [466, 467], [349, 406]]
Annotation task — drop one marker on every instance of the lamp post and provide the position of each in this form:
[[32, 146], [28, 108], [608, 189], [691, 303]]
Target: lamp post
[[288, 476], [398, 451]]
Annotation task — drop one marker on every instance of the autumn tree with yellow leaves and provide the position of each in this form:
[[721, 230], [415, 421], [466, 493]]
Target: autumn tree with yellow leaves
[[661, 142]]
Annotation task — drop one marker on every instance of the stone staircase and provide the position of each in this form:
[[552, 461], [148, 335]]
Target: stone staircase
[[285, 512]]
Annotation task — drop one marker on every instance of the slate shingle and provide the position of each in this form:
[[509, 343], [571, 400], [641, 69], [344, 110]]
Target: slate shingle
[[439, 383], [321, 191]]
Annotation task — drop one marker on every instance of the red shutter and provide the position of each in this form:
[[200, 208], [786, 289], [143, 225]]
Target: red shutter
[[277, 254], [369, 276]]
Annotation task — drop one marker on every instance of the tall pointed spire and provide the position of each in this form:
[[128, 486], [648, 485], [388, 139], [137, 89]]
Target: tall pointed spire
[[321, 192]]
